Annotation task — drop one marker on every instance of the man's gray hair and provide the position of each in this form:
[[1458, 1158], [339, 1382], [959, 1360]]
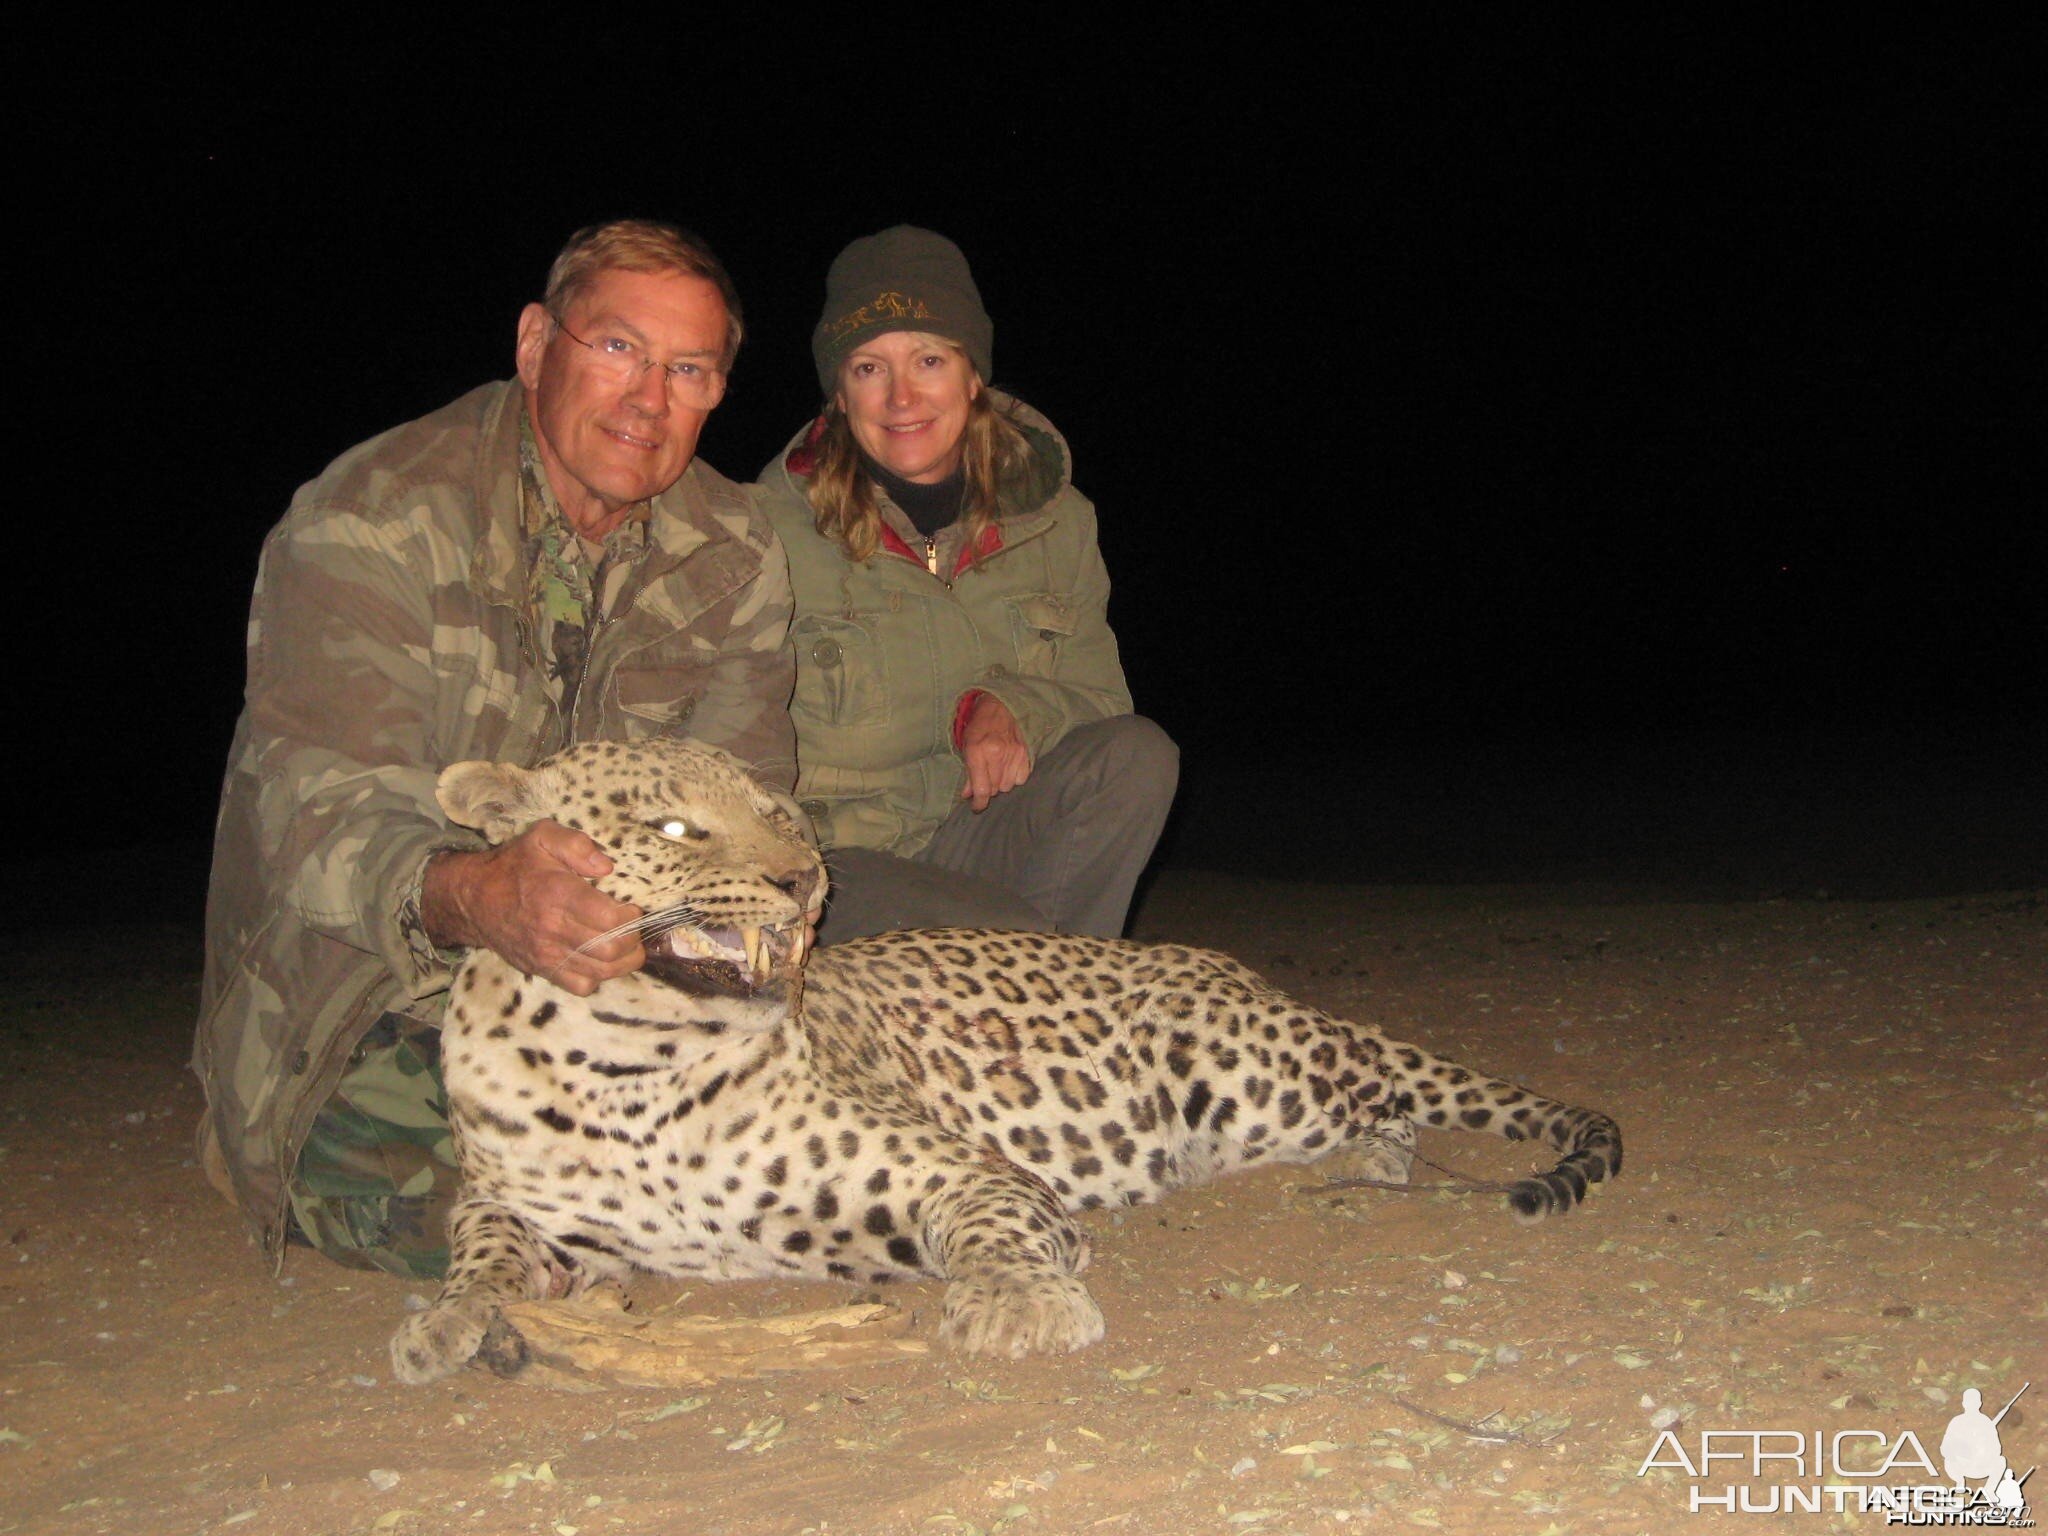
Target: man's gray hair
[[640, 245]]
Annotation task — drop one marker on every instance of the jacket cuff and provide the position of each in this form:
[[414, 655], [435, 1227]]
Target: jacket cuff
[[420, 965], [1040, 727], [961, 712]]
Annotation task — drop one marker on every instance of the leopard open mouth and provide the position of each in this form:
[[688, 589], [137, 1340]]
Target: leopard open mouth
[[737, 962]]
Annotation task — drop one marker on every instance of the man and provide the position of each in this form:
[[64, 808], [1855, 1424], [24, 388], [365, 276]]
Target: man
[[539, 563]]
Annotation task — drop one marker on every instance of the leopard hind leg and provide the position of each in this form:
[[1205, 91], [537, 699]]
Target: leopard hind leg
[[1384, 1154], [495, 1256]]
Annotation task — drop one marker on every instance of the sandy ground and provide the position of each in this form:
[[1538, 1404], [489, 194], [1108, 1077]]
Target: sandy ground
[[1832, 1218]]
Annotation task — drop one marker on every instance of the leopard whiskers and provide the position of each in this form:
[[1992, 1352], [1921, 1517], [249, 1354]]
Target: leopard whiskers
[[652, 926], [669, 919]]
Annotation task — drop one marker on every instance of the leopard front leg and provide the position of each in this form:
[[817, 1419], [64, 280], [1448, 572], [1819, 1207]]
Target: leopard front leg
[[493, 1257], [1010, 1253]]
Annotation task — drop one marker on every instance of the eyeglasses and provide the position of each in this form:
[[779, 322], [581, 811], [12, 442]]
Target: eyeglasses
[[694, 383]]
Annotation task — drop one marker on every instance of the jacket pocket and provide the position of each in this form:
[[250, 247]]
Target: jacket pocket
[[663, 697], [1041, 623], [840, 679], [856, 821]]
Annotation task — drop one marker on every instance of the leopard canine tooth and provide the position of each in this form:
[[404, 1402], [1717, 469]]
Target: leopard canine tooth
[[757, 955]]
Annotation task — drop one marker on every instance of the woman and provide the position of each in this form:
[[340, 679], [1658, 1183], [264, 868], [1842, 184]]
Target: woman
[[965, 745]]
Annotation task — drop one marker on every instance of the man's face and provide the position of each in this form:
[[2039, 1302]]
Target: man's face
[[608, 442]]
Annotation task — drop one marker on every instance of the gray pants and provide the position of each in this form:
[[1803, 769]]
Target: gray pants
[[1059, 853]]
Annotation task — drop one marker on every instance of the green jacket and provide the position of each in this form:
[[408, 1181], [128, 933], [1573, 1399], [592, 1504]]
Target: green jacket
[[388, 638], [886, 649]]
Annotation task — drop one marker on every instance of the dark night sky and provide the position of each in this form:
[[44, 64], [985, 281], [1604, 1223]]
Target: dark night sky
[[1486, 379]]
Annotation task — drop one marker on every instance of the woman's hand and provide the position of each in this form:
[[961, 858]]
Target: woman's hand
[[993, 749]]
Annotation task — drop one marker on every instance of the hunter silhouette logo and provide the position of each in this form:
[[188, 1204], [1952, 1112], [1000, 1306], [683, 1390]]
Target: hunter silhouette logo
[[1971, 1450], [1786, 1470]]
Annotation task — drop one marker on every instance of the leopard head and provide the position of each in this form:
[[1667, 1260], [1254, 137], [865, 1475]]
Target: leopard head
[[714, 860]]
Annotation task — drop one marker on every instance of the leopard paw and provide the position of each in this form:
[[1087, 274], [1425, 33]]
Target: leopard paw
[[1038, 1315], [440, 1340]]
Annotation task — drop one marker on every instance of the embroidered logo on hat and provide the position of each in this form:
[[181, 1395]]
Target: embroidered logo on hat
[[882, 308]]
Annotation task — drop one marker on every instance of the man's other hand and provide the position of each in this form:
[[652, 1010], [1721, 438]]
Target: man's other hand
[[530, 899]]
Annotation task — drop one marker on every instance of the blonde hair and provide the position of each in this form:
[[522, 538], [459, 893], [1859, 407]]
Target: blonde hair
[[640, 245], [842, 496]]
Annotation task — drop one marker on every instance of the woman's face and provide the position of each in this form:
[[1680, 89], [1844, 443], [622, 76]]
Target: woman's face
[[906, 396]]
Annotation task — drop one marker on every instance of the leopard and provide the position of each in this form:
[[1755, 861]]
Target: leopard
[[937, 1104]]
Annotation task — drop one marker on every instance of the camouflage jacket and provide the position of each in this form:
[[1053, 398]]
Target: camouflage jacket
[[888, 649], [390, 636]]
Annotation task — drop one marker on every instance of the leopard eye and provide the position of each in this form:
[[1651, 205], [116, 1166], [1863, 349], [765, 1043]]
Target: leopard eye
[[677, 830]]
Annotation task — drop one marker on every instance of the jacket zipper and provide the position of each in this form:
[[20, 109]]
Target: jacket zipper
[[931, 556], [601, 623], [583, 681]]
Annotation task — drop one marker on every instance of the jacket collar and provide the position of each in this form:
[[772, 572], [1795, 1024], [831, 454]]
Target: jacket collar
[[990, 542], [1023, 500]]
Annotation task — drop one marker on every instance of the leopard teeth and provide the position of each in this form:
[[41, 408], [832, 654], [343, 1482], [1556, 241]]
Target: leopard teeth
[[757, 959]]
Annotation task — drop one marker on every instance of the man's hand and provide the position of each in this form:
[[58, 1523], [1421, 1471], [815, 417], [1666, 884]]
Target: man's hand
[[530, 899], [993, 749]]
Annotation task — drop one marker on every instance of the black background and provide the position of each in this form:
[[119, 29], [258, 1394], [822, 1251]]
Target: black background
[[1474, 403]]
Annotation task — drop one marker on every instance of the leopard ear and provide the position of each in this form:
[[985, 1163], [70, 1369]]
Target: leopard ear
[[499, 799], [794, 813]]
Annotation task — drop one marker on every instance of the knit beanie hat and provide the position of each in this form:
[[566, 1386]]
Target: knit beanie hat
[[904, 279]]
